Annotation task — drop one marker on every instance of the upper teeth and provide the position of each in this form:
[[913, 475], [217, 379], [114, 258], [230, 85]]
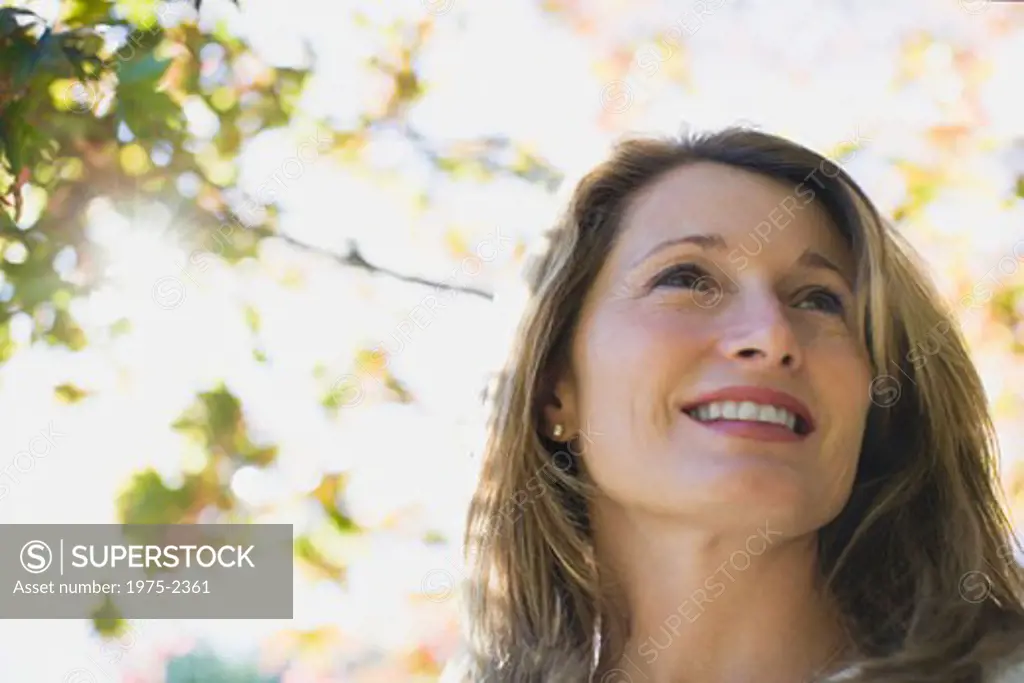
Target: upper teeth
[[744, 410]]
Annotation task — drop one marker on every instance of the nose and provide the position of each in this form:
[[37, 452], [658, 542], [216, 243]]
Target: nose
[[764, 337]]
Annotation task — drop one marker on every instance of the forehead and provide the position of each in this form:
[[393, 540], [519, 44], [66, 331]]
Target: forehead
[[743, 207]]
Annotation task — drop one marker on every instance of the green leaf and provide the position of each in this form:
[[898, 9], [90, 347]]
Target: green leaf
[[69, 393], [259, 456], [7, 224], [21, 60], [66, 332], [24, 144], [215, 421], [230, 239], [252, 318], [86, 12], [343, 522], [318, 561], [51, 59], [148, 500], [146, 69], [121, 327], [7, 347], [203, 665], [107, 618], [217, 411], [10, 27], [150, 114], [142, 13], [434, 537]]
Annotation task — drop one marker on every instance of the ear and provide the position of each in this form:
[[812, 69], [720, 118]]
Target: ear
[[559, 409]]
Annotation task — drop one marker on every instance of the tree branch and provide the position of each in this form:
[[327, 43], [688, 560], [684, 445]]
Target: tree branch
[[355, 259], [490, 154]]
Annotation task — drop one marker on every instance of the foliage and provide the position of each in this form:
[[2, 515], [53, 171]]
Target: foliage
[[206, 666], [94, 106]]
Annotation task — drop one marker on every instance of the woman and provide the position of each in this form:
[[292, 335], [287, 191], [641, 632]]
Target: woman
[[726, 446]]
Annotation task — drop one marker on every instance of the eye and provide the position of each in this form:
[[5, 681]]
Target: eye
[[824, 300], [686, 276]]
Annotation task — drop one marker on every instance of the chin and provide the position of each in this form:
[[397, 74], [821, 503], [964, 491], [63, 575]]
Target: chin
[[746, 495]]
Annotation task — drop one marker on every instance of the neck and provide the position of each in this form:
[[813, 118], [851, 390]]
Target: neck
[[722, 606]]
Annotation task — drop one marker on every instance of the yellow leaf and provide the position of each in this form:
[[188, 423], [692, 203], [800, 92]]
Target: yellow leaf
[[223, 98], [142, 13], [69, 94], [71, 169], [372, 361], [456, 243], [134, 159], [69, 393]]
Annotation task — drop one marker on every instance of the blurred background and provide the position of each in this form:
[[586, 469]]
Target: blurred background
[[259, 261]]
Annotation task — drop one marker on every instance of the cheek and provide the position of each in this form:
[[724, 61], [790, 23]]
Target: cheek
[[630, 369], [842, 379], [650, 351], [841, 373]]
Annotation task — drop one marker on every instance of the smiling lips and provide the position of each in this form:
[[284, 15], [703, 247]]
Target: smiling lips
[[753, 413]]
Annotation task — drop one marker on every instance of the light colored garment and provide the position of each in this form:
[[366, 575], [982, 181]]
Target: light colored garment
[[1010, 672], [1014, 673]]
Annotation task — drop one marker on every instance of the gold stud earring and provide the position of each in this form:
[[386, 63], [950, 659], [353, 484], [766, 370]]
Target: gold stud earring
[[558, 431]]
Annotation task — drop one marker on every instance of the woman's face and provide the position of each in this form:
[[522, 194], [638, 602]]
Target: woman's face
[[717, 373]]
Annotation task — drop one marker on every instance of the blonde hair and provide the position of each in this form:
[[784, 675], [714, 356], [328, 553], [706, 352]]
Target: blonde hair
[[925, 510]]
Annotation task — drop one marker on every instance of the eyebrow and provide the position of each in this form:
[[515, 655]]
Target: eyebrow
[[704, 241], [808, 259], [814, 259]]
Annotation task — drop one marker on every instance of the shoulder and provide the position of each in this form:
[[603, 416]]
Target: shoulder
[[456, 670], [1009, 671]]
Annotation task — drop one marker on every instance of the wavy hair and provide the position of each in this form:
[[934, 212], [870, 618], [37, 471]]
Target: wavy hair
[[926, 509]]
